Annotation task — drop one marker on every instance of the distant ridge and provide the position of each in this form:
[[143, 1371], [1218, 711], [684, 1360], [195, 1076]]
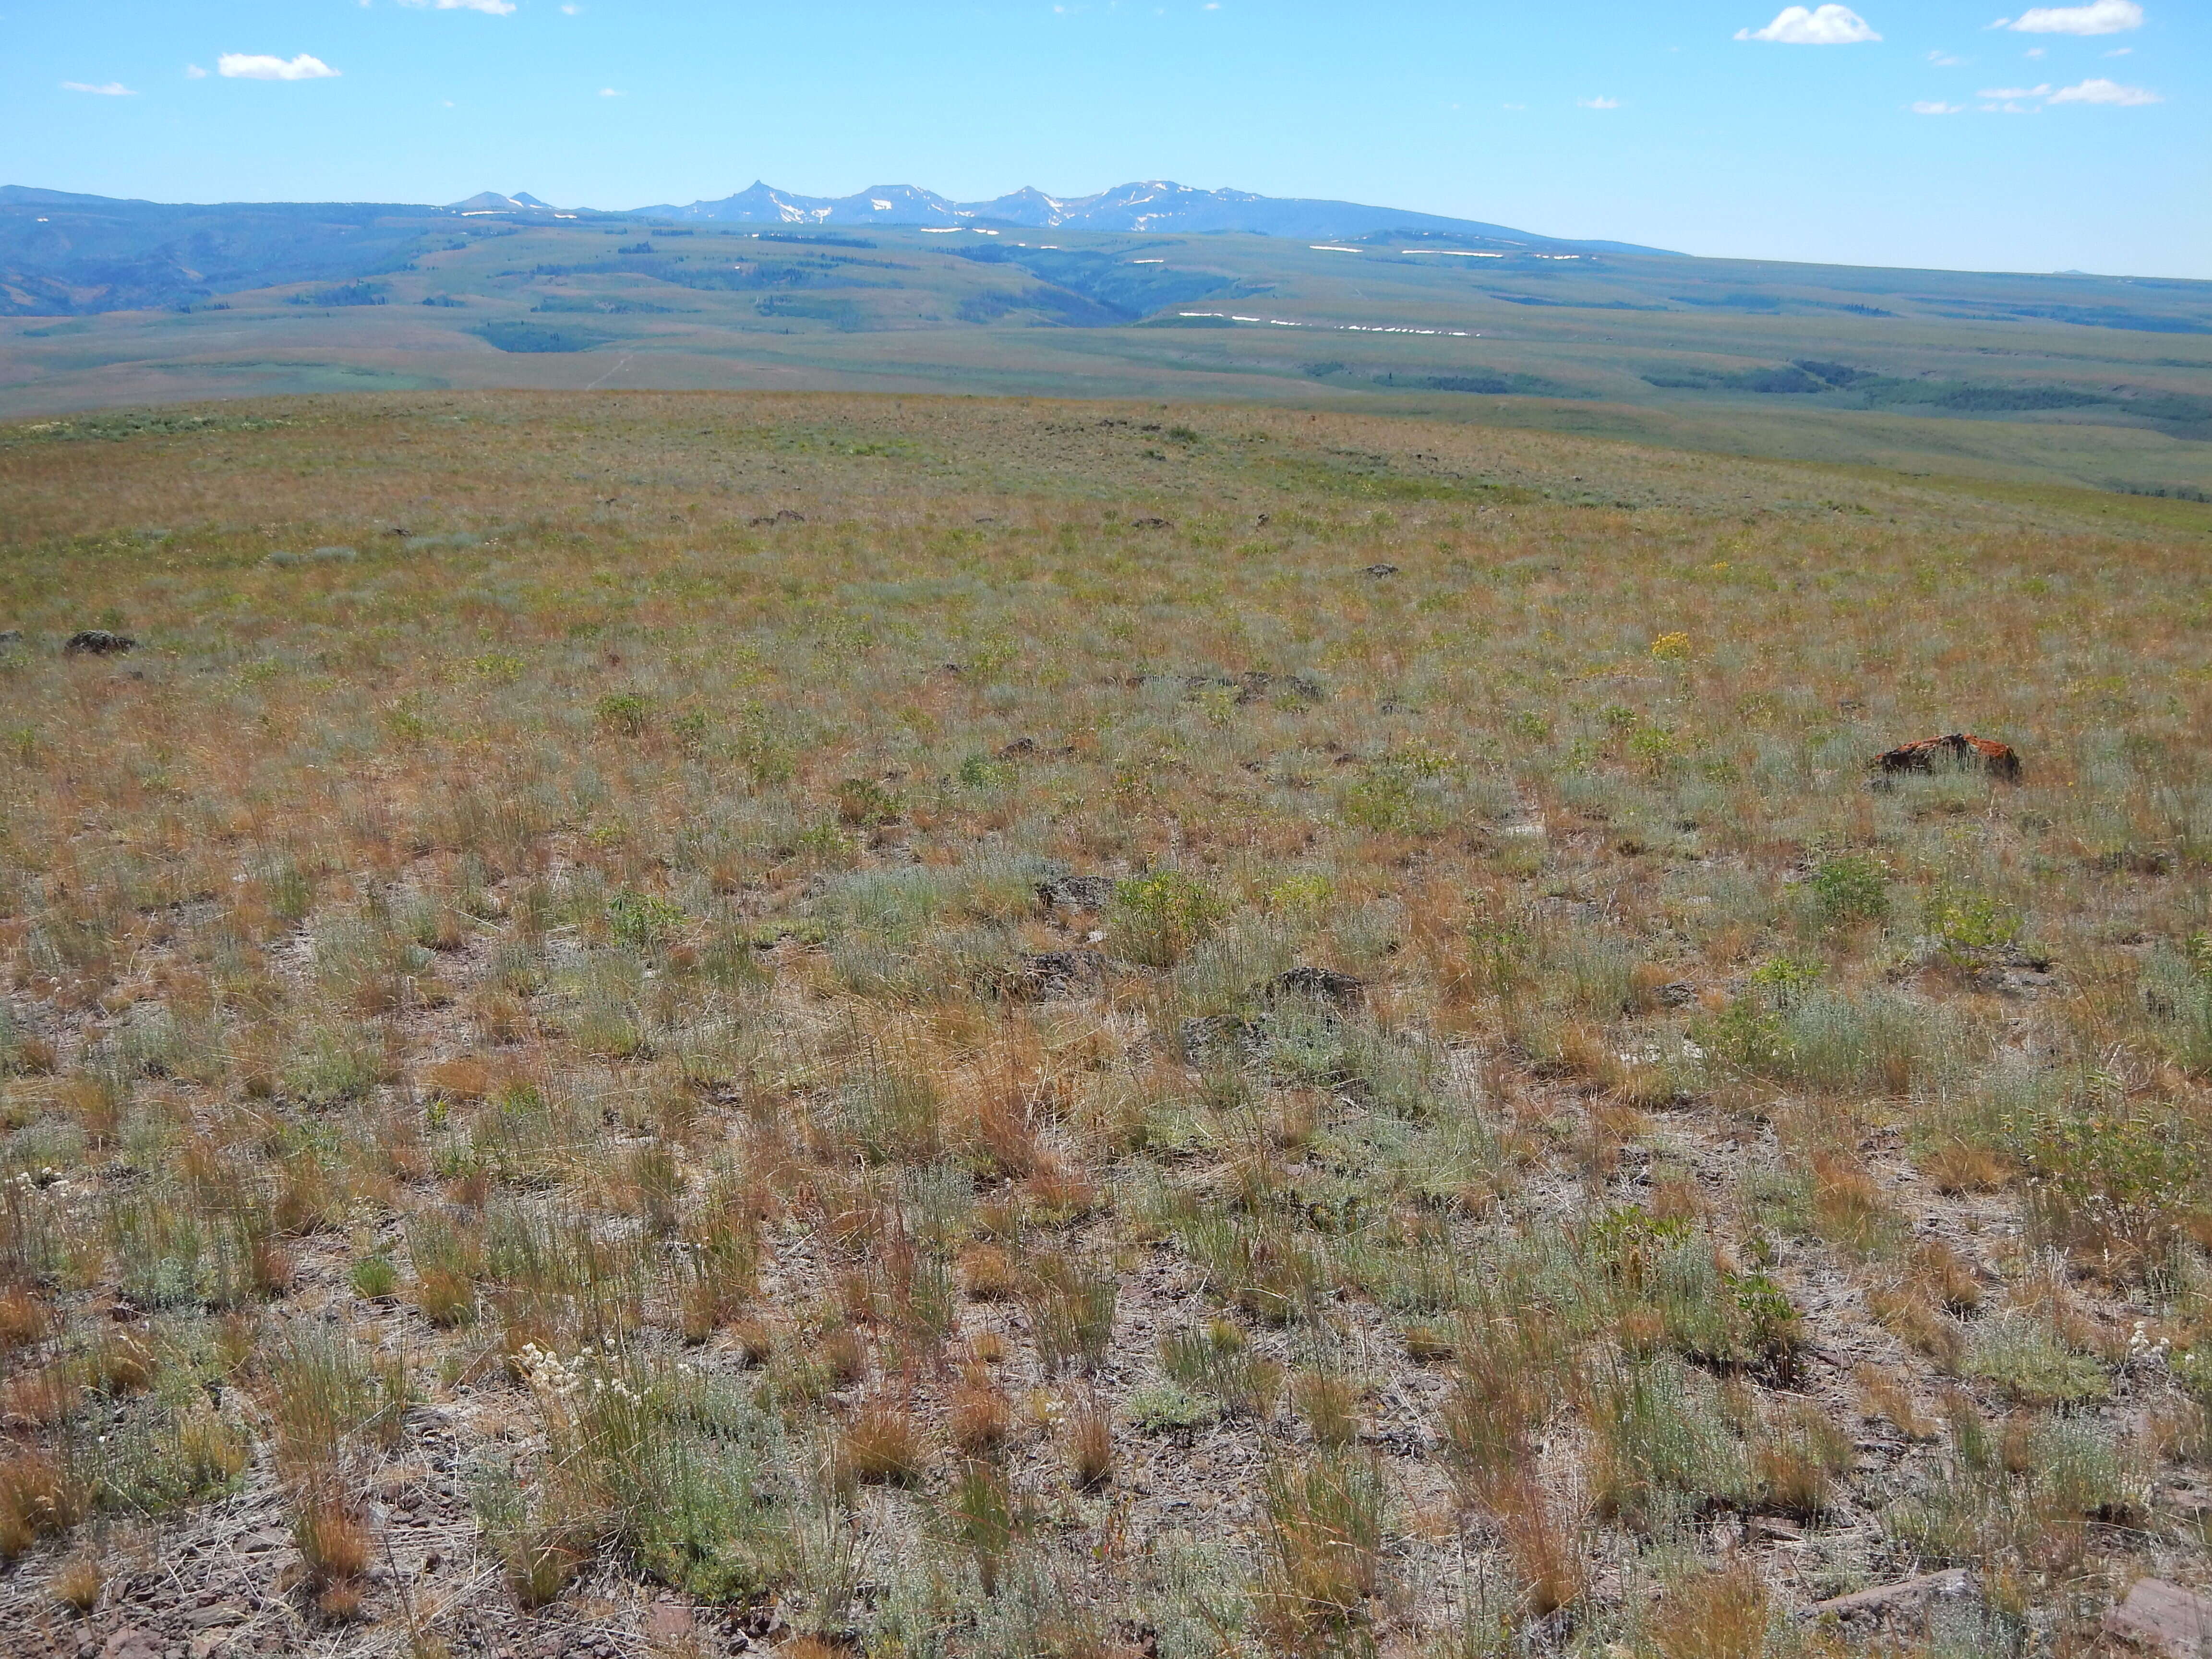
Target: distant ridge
[[1156, 206], [65, 254], [490, 201]]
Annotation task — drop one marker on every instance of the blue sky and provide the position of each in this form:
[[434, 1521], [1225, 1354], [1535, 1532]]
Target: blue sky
[[2071, 136]]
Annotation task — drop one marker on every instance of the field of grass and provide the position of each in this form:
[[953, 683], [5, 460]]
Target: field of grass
[[2101, 382], [899, 1026]]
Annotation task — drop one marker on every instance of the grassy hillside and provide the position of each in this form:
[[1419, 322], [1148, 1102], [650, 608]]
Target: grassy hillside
[[2092, 381], [900, 1026]]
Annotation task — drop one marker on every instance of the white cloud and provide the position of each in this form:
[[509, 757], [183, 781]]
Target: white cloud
[[2121, 51], [1597, 103], [2097, 17], [111, 89], [1821, 26], [2101, 91], [609, 92], [194, 72], [2037, 52], [258, 66], [494, 8], [2014, 92], [1944, 60], [1934, 107]]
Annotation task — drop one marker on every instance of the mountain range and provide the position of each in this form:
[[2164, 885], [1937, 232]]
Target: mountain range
[[1153, 207], [63, 253]]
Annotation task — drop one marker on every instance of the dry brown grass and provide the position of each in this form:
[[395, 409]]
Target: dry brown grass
[[1719, 1615], [1089, 1433], [881, 1444], [78, 1581]]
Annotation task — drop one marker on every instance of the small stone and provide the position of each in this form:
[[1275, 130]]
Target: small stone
[[669, 1624], [1951, 1581], [1381, 570]]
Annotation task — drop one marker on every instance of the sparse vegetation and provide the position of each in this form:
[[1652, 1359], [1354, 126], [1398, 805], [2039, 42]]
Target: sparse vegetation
[[968, 1056]]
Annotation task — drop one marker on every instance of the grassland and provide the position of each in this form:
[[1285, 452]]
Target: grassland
[[2099, 382], [657, 1023]]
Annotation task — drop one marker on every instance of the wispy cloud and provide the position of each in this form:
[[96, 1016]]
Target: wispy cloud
[[1597, 103], [258, 66], [2097, 17], [2101, 91], [494, 8], [1820, 25], [2097, 91], [610, 92], [1944, 60], [1936, 106], [194, 72], [110, 89]]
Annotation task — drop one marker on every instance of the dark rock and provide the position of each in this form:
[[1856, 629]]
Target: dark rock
[[1678, 993], [99, 642], [1251, 687], [1256, 685], [1149, 524], [1326, 982], [1050, 974], [1078, 892], [1205, 1035], [1959, 751], [10, 637], [785, 516], [1017, 748], [1380, 570]]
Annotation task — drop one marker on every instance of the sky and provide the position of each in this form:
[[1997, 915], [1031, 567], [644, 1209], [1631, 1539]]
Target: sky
[[1958, 134]]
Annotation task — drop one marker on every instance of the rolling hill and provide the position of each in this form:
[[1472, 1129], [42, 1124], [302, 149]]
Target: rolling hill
[[2094, 380]]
